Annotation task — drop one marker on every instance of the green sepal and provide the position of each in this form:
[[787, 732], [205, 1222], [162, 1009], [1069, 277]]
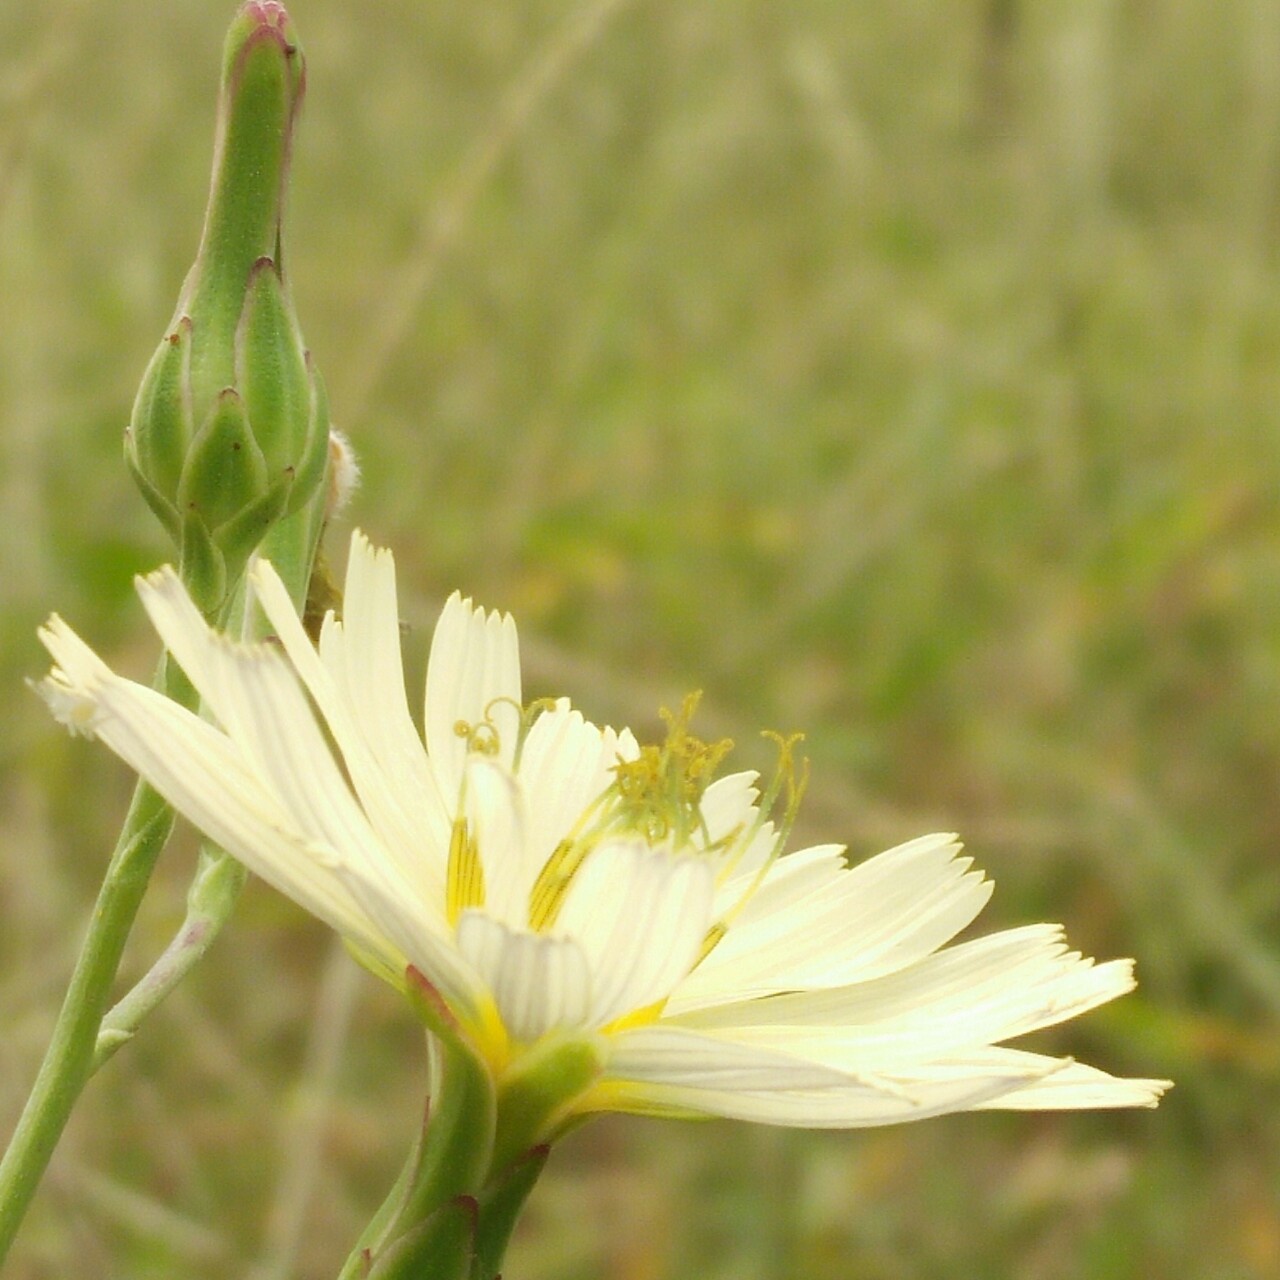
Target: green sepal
[[500, 1207], [460, 1128], [201, 565], [311, 472], [433, 1009], [164, 510], [224, 469], [271, 374], [242, 534], [160, 428], [538, 1092], [458, 1137], [442, 1248]]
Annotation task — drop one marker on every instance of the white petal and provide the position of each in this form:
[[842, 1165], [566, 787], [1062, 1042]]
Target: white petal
[[673, 1056], [729, 803], [566, 763], [473, 676], [539, 983], [412, 927], [494, 806], [960, 1000], [266, 714], [794, 878], [358, 688], [256, 699], [200, 772], [645, 1077], [197, 649], [641, 915], [820, 924], [1076, 1086], [742, 867], [271, 726]]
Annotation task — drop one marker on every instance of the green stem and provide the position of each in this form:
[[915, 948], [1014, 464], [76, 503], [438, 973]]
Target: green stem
[[69, 1060], [498, 1210], [210, 900], [450, 1159], [75, 1051]]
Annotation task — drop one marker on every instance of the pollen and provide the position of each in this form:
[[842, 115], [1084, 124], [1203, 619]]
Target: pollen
[[659, 794]]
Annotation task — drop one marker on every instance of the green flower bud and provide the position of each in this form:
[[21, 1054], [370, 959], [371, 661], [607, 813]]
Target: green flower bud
[[230, 431]]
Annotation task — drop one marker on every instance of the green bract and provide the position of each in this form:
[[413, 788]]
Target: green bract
[[229, 432]]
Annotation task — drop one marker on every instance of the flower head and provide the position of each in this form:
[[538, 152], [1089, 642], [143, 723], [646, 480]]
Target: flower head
[[548, 882]]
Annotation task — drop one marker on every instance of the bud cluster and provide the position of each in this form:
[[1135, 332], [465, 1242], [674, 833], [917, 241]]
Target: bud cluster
[[230, 430]]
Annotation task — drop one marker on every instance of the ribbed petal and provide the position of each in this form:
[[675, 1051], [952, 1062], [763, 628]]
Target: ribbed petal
[[473, 676], [412, 926], [650, 1075], [495, 810], [359, 690], [256, 697], [641, 915], [676, 1057], [566, 763], [729, 804], [1075, 1086], [201, 773], [740, 869], [964, 999], [539, 983], [821, 924], [267, 716]]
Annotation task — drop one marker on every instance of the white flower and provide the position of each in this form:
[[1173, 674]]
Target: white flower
[[550, 878]]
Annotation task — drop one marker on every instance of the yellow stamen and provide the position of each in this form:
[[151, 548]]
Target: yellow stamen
[[552, 885], [465, 874], [786, 776], [636, 1018], [659, 793], [711, 941]]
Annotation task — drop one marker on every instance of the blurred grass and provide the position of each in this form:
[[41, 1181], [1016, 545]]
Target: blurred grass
[[903, 373]]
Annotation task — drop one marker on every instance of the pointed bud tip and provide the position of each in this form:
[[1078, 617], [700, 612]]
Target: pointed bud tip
[[259, 23], [265, 15]]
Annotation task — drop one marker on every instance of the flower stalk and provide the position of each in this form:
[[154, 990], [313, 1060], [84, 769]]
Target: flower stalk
[[483, 1144], [71, 1057]]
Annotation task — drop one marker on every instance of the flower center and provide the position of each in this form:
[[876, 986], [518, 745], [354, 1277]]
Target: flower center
[[657, 796]]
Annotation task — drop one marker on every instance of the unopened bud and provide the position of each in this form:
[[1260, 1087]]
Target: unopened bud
[[230, 430]]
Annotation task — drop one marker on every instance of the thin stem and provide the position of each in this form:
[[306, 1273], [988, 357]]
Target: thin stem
[[210, 901], [69, 1060]]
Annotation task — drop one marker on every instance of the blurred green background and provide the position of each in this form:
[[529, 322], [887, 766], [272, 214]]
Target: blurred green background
[[905, 373]]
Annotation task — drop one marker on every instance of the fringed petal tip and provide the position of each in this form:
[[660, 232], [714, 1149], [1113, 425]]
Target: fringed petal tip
[[161, 580], [1078, 1087], [73, 708], [71, 689]]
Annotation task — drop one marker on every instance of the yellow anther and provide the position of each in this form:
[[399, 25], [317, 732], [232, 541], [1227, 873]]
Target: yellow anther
[[659, 793], [711, 941], [465, 874], [552, 885]]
